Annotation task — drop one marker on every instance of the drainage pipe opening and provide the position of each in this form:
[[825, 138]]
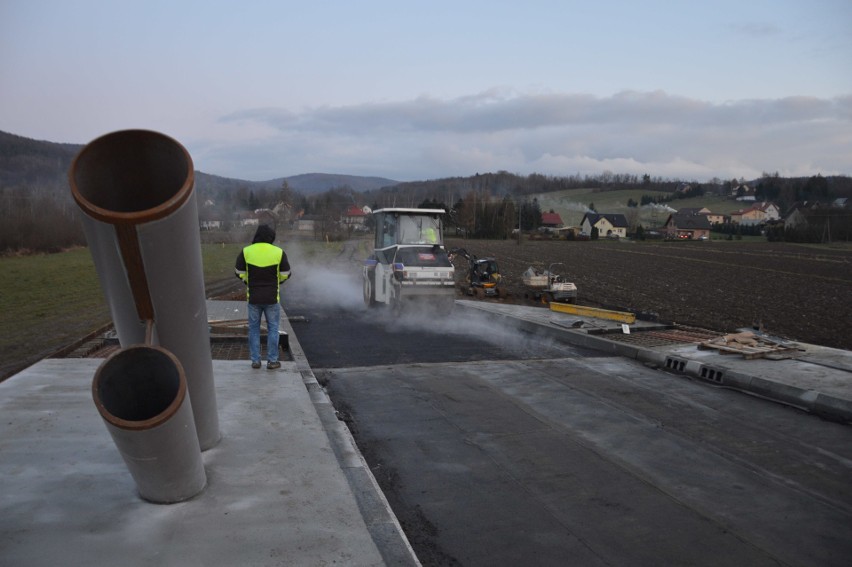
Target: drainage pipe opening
[[141, 395], [139, 387], [131, 176]]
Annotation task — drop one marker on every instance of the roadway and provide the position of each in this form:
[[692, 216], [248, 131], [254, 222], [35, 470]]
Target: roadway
[[497, 447]]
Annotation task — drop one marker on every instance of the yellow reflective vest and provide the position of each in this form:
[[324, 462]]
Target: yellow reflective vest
[[263, 267]]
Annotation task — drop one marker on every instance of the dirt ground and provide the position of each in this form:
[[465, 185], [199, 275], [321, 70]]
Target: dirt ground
[[797, 292]]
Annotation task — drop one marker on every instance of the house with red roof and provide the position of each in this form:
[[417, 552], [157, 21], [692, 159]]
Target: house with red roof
[[354, 218], [551, 220]]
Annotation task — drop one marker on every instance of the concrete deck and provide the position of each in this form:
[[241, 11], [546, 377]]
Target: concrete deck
[[286, 485], [817, 379]]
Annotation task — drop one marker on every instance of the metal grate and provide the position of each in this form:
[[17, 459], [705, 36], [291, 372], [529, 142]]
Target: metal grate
[[664, 337]]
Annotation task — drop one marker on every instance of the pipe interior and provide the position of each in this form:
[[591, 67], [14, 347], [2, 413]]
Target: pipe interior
[[131, 171], [138, 384]]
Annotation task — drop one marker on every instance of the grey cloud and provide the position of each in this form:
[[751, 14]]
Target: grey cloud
[[757, 29], [630, 132], [493, 113]]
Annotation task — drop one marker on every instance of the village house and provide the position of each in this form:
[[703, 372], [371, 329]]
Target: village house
[[354, 218], [693, 211], [712, 218], [248, 218], [758, 213], [551, 220], [830, 222], [608, 224], [208, 217], [307, 223], [743, 193], [211, 224], [683, 226], [716, 218]]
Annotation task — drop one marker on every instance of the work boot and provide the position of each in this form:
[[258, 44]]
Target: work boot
[[255, 364], [273, 365]]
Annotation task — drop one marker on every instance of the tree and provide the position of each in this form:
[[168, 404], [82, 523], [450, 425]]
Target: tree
[[632, 216], [816, 188], [530, 215], [286, 202]]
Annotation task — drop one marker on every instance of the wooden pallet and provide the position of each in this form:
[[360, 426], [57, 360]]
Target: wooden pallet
[[750, 346]]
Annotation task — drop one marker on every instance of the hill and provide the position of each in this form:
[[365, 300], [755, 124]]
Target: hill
[[42, 167], [312, 183]]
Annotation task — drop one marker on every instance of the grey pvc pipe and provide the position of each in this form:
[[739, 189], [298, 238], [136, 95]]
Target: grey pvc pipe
[[141, 395], [141, 222]]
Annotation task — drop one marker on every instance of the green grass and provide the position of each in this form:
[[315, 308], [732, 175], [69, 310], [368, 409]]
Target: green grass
[[49, 301], [218, 260]]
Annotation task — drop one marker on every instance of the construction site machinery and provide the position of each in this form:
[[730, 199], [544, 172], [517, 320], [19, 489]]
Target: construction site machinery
[[548, 286], [409, 263], [483, 278]]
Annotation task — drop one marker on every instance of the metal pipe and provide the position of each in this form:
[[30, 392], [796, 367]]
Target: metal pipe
[[141, 222], [141, 395]]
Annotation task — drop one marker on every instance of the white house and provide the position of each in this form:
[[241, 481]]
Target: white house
[[608, 224]]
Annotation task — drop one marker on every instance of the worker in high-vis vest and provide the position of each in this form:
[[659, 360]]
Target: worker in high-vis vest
[[263, 267]]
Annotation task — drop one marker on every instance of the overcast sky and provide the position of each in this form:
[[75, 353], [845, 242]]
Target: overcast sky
[[414, 89]]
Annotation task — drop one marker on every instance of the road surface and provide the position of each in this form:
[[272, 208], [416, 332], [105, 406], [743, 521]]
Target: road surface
[[496, 448]]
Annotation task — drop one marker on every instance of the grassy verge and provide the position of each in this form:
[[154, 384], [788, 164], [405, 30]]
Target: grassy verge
[[49, 301]]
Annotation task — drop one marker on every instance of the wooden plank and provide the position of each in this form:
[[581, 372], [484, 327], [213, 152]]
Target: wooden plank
[[584, 311]]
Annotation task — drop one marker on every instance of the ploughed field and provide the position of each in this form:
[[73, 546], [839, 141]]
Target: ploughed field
[[798, 292]]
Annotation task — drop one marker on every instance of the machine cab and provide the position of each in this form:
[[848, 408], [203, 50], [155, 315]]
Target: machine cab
[[409, 259]]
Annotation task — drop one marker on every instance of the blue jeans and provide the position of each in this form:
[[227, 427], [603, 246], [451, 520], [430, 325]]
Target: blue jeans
[[272, 312]]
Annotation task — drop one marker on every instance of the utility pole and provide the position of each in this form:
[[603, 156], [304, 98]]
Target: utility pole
[[520, 208]]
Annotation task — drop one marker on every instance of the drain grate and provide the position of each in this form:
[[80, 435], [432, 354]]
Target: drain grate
[[676, 364], [712, 374], [664, 337]]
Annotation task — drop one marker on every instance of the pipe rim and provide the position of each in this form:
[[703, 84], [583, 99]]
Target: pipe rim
[[144, 424], [156, 212]]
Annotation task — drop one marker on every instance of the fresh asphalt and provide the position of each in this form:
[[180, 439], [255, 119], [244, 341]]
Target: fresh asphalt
[[498, 446]]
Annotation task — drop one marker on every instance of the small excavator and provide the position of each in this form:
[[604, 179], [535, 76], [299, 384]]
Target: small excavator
[[483, 276]]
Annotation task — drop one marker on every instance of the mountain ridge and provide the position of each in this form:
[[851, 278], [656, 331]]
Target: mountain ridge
[[43, 165]]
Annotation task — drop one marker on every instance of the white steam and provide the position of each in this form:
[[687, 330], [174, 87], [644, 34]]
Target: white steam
[[575, 206], [337, 283], [475, 324], [659, 207]]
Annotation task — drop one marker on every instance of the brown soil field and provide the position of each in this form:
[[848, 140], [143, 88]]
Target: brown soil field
[[802, 293]]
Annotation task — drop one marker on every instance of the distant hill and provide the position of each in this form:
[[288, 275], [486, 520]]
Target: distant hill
[[41, 166], [310, 183]]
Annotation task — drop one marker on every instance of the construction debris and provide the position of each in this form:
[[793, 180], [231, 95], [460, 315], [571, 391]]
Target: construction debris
[[750, 346]]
